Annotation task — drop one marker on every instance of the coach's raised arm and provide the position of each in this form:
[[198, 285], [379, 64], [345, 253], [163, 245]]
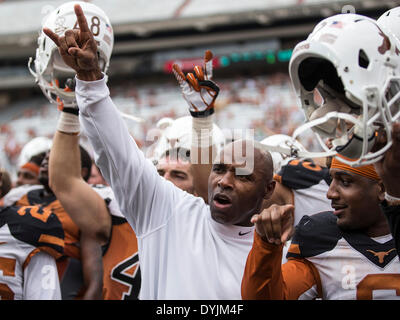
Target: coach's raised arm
[[116, 153]]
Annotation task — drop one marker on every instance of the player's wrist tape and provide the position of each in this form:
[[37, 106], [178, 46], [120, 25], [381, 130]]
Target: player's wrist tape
[[202, 132], [202, 114], [68, 123], [390, 198]]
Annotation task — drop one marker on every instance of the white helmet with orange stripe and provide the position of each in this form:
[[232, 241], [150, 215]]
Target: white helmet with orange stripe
[[52, 75]]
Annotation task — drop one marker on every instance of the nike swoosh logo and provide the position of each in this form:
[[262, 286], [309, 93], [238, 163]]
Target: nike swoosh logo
[[242, 234]]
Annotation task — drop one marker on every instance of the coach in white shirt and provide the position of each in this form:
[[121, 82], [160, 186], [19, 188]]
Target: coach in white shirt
[[187, 249]]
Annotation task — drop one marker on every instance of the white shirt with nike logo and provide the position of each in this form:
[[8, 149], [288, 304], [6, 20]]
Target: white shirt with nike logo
[[184, 253]]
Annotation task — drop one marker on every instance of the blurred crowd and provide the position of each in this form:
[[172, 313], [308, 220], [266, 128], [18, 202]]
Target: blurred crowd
[[270, 103]]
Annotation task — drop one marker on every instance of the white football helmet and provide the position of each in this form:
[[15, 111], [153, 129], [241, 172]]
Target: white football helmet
[[178, 134], [354, 65], [390, 22], [33, 147], [282, 148], [53, 76]]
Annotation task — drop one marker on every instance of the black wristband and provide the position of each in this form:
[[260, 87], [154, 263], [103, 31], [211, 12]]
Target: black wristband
[[202, 114], [74, 111]]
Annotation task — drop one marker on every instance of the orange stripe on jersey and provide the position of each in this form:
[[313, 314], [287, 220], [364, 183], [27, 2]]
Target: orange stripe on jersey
[[71, 230], [29, 257], [51, 239], [294, 248], [7, 265], [54, 253]]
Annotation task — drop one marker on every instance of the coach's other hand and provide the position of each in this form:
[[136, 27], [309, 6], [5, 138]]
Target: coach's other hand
[[78, 48], [275, 224]]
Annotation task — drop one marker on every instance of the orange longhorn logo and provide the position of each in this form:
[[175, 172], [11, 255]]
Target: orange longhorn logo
[[381, 255]]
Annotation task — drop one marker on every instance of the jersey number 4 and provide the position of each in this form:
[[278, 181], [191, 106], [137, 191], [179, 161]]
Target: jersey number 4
[[119, 274]]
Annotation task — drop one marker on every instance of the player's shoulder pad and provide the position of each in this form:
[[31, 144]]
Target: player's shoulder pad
[[302, 174], [314, 235], [108, 196], [37, 226], [103, 191], [17, 193]]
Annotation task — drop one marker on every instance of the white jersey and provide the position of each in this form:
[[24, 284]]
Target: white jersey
[[184, 253], [350, 265], [30, 241]]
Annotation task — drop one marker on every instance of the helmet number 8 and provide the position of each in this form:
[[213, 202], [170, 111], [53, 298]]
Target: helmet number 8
[[94, 27]]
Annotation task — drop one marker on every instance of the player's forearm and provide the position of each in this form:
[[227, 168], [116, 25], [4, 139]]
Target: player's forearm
[[64, 163], [92, 267]]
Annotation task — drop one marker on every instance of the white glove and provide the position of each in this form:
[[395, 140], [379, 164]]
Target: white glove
[[197, 89]]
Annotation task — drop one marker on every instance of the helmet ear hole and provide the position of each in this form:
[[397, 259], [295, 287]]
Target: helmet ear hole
[[312, 70], [363, 60]]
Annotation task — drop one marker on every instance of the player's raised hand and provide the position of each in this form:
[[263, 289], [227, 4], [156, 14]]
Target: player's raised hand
[[275, 224], [78, 48], [197, 88]]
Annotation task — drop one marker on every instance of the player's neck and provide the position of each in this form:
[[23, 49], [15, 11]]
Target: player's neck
[[381, 228]]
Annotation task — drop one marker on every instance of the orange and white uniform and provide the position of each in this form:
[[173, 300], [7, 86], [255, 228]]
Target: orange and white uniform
[[69, 267], [323, 262], [309, 184], [31, 238], [121, 280]]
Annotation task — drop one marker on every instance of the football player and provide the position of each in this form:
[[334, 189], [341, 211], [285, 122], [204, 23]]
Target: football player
[[31, 238], [357, 231], [117, 265], [28, 173], [78, 243], [345, 254]]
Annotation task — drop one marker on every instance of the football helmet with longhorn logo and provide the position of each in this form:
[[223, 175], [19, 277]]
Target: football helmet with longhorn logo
[[390, 23], [354, 66], [53, 76]]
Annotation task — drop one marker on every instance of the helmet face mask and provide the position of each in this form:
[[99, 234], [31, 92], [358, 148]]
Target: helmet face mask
[[354, 66], [53, 76], [281, 147]]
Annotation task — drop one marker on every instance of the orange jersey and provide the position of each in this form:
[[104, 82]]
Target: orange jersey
[[24, 233], [121, 279], [68, 265], [121, 263], [71, 230], [323, 262]]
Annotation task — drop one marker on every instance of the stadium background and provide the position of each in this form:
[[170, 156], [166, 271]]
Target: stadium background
[[251, 40]]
